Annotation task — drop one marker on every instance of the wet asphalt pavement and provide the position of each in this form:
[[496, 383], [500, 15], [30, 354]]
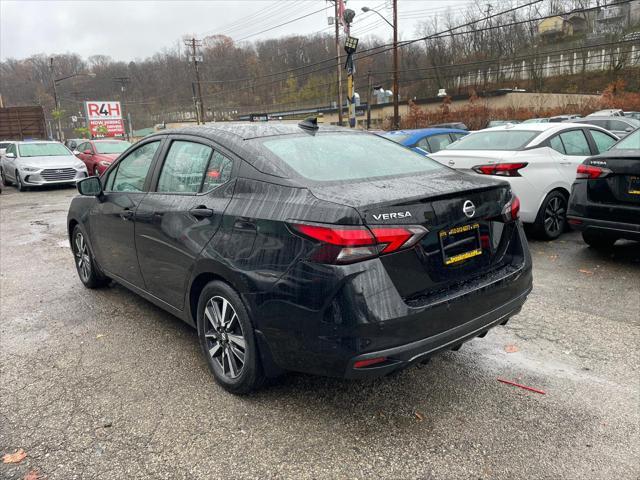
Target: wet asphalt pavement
[[102, 384]]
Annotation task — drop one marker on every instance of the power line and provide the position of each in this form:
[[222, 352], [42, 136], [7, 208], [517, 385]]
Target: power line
[[281, 24]]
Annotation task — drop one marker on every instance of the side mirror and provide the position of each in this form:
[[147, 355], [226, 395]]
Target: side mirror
[[87, 152], [91, 187], [629, 129], [10, 155]]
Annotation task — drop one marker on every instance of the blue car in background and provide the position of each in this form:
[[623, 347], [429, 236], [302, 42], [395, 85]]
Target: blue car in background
[[426, 140]]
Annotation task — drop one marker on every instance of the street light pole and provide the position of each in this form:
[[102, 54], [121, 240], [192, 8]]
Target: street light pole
[[396, 106], [394, 26], [339, 64]]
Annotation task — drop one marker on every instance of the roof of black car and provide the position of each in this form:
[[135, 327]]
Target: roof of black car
[[248, 130]]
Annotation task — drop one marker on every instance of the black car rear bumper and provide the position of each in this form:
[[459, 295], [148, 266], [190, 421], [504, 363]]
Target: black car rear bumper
[[405, 355], [628, 231]]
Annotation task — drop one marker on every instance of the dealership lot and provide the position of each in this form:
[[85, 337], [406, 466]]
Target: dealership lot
[[101, 384]]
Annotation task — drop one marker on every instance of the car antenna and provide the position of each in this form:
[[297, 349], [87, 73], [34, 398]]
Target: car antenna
[[309, 123]]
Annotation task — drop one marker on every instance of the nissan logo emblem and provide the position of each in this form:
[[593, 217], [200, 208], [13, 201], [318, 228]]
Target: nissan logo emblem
[[469, 208]]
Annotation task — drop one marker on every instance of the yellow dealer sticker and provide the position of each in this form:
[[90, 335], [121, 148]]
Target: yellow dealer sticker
[[463, 256]]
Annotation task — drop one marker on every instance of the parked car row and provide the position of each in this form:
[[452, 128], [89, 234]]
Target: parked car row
[[28, 164], [540, 160]]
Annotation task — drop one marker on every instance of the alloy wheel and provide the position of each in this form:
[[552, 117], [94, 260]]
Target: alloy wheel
[[224, 337], [554, 216], [83, 260]]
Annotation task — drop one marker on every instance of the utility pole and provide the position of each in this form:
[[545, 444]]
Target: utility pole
[[124, 81], [55, 101], [195, 102], [193, 43], [339, 64], [396, 106], [369, 89]]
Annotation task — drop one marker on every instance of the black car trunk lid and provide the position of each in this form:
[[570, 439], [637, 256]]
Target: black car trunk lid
[[466, 234]]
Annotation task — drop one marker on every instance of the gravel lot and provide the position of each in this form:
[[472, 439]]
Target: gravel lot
[[102, 384]]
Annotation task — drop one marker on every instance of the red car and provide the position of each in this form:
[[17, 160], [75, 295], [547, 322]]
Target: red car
[[98, 154]]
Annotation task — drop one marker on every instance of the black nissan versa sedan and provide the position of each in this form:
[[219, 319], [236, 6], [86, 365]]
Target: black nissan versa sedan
[[605, 198], [305, 248]]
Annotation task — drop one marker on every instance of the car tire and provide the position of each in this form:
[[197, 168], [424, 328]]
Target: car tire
[[90, 274], [599, 241], [228, 342], [5, 182], [19, 185], [551, 220]]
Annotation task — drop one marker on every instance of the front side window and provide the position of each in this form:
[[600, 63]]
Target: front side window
[[575, 143], [133, 169], [43, 150], [345, 156], [602, 140], [504, 140], [184, 167]]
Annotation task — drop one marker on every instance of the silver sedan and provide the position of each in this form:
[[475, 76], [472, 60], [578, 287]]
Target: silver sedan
[[36, 163]]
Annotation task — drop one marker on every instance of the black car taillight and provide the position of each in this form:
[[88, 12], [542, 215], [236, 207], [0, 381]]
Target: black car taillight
[[340, 245], [511, 210], [592, 172], [501, 169]]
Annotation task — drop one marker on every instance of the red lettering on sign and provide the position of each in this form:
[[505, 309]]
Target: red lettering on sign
[[94, 109], [114, 110]]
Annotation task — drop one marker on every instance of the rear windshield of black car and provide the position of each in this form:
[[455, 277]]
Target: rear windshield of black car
[[327, 157], [630, 142], [495, 140]]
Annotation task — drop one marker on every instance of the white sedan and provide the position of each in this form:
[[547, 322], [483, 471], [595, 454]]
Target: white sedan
[[539, 160], [35, 163]]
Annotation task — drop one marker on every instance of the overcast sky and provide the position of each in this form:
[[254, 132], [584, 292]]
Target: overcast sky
[[129, 29]]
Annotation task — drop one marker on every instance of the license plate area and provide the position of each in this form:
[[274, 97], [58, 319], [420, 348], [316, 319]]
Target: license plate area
[[634, 186], [460, 244]]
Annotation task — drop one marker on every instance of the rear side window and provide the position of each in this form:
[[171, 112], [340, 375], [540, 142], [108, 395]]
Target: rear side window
[[184, 168], [133, 169], [218, 172], [345, 156], [602, 140], [575, 143], [557, 145], [495, 140]]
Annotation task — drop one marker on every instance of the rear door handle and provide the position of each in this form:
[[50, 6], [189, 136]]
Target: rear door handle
[[201, 212], [126, 214], [244, 223]]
